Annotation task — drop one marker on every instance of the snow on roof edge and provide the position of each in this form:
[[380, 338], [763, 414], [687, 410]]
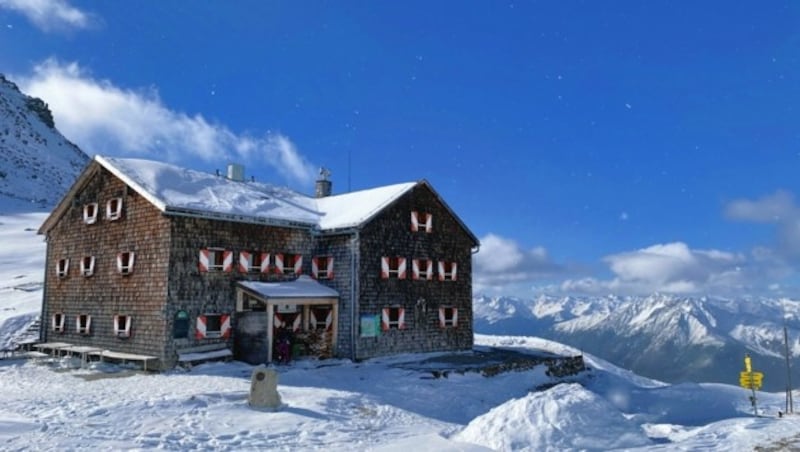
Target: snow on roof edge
[[106, 163]]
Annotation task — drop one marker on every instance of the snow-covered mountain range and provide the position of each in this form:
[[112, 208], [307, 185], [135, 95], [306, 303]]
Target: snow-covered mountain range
[[667, 337], [37, 164]]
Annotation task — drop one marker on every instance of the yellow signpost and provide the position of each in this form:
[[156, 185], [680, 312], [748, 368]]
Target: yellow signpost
[[751, 380]]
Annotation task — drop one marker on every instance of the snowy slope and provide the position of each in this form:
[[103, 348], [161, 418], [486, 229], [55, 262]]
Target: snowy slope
[[384, 404], [37, 164], [668, 337]]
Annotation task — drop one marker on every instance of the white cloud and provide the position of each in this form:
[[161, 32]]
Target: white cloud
[[105, 119], [778, 208], [669, 268], [501, 263], [49, 15]]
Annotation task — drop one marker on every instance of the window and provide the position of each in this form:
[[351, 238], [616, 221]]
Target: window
[[289, 264], [321, 318], [57, 322], [114, 209], [421, 221], [393, 266], [253, 262], [62, 268], [251, 303], [322, 267], [448, 317], [83, 324], [213, 326], [216, 260], [87, 266], [422, 269], [90, 213], [447, 271], [393, 318], [122, 326], [125, 262]]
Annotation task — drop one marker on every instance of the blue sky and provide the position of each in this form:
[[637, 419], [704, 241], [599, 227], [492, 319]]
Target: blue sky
[[594, 147]]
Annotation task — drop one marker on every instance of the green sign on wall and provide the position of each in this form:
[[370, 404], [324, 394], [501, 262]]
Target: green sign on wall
[[370, 325]]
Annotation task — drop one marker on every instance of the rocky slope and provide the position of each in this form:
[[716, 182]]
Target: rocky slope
[[37, 164]]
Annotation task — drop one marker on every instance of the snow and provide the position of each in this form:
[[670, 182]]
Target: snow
[[385, 404], [174, 189], [302, 287]]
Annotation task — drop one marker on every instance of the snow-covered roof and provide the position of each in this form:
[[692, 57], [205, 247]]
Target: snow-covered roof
[[179, 191], [183, 191], [302, 287]]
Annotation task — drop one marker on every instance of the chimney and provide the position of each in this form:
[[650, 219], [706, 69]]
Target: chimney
[[323, 185], [236, 172]]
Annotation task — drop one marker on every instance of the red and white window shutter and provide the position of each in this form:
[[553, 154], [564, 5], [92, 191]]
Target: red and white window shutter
[[204, 264], [122, 325], [264, 264], [245, 261], [393, 317], [298, 264], [421, 269], [125, 262], [447, 271], [448, 316], [322, 267], [202, 331], [393, 266], [421, 220], [279, 263], [314, 321]]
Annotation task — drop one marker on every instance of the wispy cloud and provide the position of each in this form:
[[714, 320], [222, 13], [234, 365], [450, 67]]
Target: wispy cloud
[[50, 15], [105, 119], [671, 268], [502, 262], [778, 208]]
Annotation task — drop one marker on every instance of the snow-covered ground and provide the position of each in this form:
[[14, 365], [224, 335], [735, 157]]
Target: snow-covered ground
[[382, 404]]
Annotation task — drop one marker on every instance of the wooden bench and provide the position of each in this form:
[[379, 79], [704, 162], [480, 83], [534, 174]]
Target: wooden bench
[[124, 357], [202, 353]]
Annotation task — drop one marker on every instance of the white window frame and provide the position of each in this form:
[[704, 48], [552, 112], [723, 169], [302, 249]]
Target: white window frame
[[422, 269], [203, 332], [421, 221], [125, 331], [114, 212], [253, 262], [57, 322], [448, 270], [386, 318], [62, 267], [87, 267], [87, 328], [322, 267], [393, 266], [289, 263], [448, 321], [125, 265], [90, 217]]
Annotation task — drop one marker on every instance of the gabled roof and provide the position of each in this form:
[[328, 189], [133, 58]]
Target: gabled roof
[[179, 191], [302, 287]]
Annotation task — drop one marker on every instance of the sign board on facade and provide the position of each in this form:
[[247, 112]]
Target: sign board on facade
[[370, 325], [286, 308]]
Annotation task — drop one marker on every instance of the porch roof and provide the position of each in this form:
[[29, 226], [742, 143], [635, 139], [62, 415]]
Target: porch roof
[[302, 287]]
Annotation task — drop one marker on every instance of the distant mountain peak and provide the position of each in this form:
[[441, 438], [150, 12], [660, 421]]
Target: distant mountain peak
[[37, 164]]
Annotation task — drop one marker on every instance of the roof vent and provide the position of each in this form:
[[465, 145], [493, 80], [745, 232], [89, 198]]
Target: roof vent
[[236, 172], [323, 185]]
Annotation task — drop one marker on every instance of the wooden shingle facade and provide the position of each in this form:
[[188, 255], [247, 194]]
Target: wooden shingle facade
[[148, 258]]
